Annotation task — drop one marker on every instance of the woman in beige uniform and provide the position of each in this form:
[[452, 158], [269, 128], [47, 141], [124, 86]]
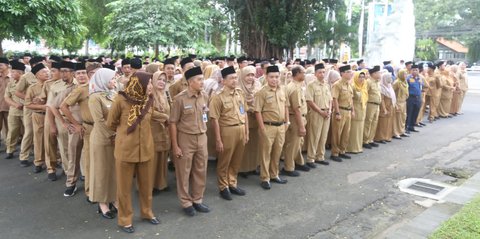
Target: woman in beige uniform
[[401, 92], [455, 106], [160, 133], [360, 99], [130, 116], [446, 95], [384, 131], [102, 163], [250, 85]]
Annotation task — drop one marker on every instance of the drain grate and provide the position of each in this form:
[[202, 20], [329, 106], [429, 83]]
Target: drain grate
[[426, 187]]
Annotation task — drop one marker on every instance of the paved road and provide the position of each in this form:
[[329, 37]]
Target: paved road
[[353, 199]]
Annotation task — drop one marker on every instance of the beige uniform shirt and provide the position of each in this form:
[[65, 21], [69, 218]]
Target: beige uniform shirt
[[4, 107], [319, 93], [229, 108], [296, 97], [178, 87], [25, 81], [374, 94], [271, 103], [189, 112], [33, 92], [10, 93], [343, 92], [79, 96]]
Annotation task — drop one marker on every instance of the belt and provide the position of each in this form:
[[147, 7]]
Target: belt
[[414, 96], [89, 123], [274, 123], [42, 113], [303, 115], [233, 125], [374, 103], [345, 108]]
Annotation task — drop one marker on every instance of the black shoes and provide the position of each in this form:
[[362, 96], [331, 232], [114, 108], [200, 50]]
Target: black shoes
[[70, 191], [171, 166], [153, 221], [381, 141], [128, 229], [367, 146], [225, 194], [265, 185], [52, 177], [404, 135], [344, 156], [311, 165], [190, 211], [336, 158], [373, 144], [112, 208], [397, 137], [107, 215], [414, 130], [37, 169], [9, 156], [279, 180], [88, 200], [25, 163], [290, 173], [237, 191], [323, 162], [302, 168], [200, 207]]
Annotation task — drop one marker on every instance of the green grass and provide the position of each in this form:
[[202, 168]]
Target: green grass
[[463, 225]]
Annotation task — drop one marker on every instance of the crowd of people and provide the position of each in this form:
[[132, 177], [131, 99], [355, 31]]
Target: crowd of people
[[110, 122]]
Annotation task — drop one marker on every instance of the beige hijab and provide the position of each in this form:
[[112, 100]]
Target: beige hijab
[[249, 90]]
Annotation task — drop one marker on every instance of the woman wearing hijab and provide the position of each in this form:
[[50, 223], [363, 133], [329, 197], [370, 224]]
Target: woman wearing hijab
[[401, 92], [360, 99], [250, 85], [332, 76], [130, 116], [207, 74], [103, 188], [384, 131], [160, 134], [446, 94], [455, 106]]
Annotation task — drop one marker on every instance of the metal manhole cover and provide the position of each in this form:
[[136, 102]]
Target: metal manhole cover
[[425, 188]]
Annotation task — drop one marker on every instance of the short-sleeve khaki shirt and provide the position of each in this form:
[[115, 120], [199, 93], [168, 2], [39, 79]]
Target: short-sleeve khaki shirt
[[228, 107]]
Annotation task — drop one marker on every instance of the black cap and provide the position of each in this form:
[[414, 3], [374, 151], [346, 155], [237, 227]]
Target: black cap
[[126, 61], [326, 60], [359, 61], [27, 54], [37, 68], [408, 62], [298, 59], [333, 61], [68, 64], [240, 59], [231, 58], [109, 66], [227, 71], [272, 69], [195, 71], [302, 63], [80, 66], [184, 61], [344, 68], [415, 66], [16, 65], [374, 69], [4, 60], [439, 63], [57, 65], [308, 62], [36, 60], [136, 63], [55, 58], [192, 56], [319, 66], [431, 66], [386, 63], [169, 61]]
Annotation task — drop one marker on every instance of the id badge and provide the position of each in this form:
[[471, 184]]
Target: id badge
[[242, 110], [205, 117]]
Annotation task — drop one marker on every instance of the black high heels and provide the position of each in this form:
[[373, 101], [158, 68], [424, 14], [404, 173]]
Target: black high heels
[[107, 215], [112, 208]]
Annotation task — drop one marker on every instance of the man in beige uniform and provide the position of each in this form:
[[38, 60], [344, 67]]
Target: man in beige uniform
[[181, 84], [4, 107], [15, 115], [27, 80], [72, 107], [373, 108], [229, 121], [188, 120], [296, 130], [319, 100], [271, 112], [59, 127], [33, 103], [342, 93]]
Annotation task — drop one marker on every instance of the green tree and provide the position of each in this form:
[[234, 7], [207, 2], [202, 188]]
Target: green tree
[[34, 19], [426, 49]]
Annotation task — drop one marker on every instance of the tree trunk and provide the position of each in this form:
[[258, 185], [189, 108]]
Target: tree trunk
[[1, 47], [86, 47], [156, 50]]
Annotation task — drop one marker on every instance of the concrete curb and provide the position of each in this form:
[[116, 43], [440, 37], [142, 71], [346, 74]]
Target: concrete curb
[[428, 221]]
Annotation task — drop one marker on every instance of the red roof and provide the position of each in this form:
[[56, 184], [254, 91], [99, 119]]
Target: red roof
[[452, 44]]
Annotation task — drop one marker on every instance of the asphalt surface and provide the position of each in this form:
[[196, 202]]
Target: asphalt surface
[[353, 199]]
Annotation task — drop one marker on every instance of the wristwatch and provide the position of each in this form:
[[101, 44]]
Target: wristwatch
[[287, 123]]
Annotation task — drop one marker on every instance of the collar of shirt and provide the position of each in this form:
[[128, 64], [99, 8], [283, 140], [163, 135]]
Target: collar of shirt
[[191, 93], [273, 89]]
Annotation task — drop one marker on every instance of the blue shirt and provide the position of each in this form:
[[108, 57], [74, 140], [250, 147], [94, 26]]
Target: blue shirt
[[414, 85]]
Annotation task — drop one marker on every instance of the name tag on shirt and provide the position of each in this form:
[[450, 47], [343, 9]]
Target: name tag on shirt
[[188, 107], [242, 110], [205, 117]]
